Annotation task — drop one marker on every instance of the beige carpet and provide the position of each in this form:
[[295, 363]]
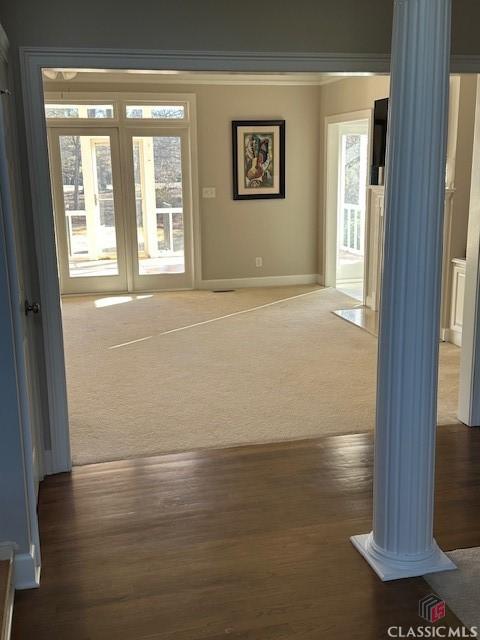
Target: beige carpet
[[138, 386]]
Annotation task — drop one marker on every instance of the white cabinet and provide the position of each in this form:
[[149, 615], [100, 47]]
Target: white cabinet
[[375, 225], [456, 307]]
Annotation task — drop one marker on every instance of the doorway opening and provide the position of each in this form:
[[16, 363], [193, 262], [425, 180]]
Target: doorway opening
[[347, 177]]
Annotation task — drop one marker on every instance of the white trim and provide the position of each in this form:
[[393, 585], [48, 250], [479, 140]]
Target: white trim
[[25, 435], [97, 76], [120, 100], [27, 570], [227, 61], [261, 281], [90, 59], [60, 458]]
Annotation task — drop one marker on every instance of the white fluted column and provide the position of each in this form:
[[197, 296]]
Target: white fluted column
[[401, 543]]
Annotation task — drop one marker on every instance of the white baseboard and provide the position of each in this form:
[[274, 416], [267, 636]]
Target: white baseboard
[[452, 335], [26, 570], [260, 281]]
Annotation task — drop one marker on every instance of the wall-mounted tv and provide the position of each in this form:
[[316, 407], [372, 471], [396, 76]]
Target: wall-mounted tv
[[379, 144]]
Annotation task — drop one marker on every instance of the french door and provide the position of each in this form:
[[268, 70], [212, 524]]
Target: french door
[[88, 200], [159, 201], [122, 208]]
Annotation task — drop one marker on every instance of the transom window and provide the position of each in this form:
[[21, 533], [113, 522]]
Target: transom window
[[156, 112], [80, 111]]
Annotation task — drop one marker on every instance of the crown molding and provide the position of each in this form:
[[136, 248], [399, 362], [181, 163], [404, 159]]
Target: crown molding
[[191, 78], [227, 61]]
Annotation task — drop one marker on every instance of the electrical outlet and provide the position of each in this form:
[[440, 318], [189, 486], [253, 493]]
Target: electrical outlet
[[209, 192], [259, 262]]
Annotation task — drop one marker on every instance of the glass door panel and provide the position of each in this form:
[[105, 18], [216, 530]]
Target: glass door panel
[[89, 206], [159, 204], [122, 235], [159, 173], [85, 207], [351, 202]]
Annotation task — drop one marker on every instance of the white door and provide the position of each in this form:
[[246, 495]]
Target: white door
[[159, 208], [351, 207], [88, 201]]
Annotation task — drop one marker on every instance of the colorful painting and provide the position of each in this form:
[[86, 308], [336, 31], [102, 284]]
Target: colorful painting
[[258, 159]]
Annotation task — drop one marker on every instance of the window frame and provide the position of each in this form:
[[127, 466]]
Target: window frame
[[120, 100], [74, 103], [156, 103]]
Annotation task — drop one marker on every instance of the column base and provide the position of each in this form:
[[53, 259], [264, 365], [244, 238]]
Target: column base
[[388, 568]]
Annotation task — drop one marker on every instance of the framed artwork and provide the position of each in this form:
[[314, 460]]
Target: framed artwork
[[258, 159]]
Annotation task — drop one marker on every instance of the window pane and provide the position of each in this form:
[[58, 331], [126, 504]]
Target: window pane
[[159, 201], [352, 169], [79, 111], [157, 112], [89, 205]]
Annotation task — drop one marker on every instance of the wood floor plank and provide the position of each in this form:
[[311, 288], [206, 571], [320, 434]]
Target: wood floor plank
[[250, 543]]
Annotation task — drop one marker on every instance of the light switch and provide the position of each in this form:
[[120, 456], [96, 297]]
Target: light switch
[[209, 192]]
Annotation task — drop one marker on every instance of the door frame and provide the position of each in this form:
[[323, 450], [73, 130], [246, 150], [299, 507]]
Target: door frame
[[32, 60], [123, 125], [28, 562], [330, 204]]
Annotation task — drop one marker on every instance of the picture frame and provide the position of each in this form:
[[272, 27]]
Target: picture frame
[[258, 149]]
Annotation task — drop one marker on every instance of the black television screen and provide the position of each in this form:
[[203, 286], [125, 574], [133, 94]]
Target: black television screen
[[379, 145]]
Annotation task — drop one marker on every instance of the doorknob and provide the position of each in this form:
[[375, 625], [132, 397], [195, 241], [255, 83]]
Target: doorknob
[[34, 307]]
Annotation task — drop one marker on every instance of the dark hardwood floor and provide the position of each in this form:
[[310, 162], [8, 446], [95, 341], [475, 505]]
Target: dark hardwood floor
[[249, 543]]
